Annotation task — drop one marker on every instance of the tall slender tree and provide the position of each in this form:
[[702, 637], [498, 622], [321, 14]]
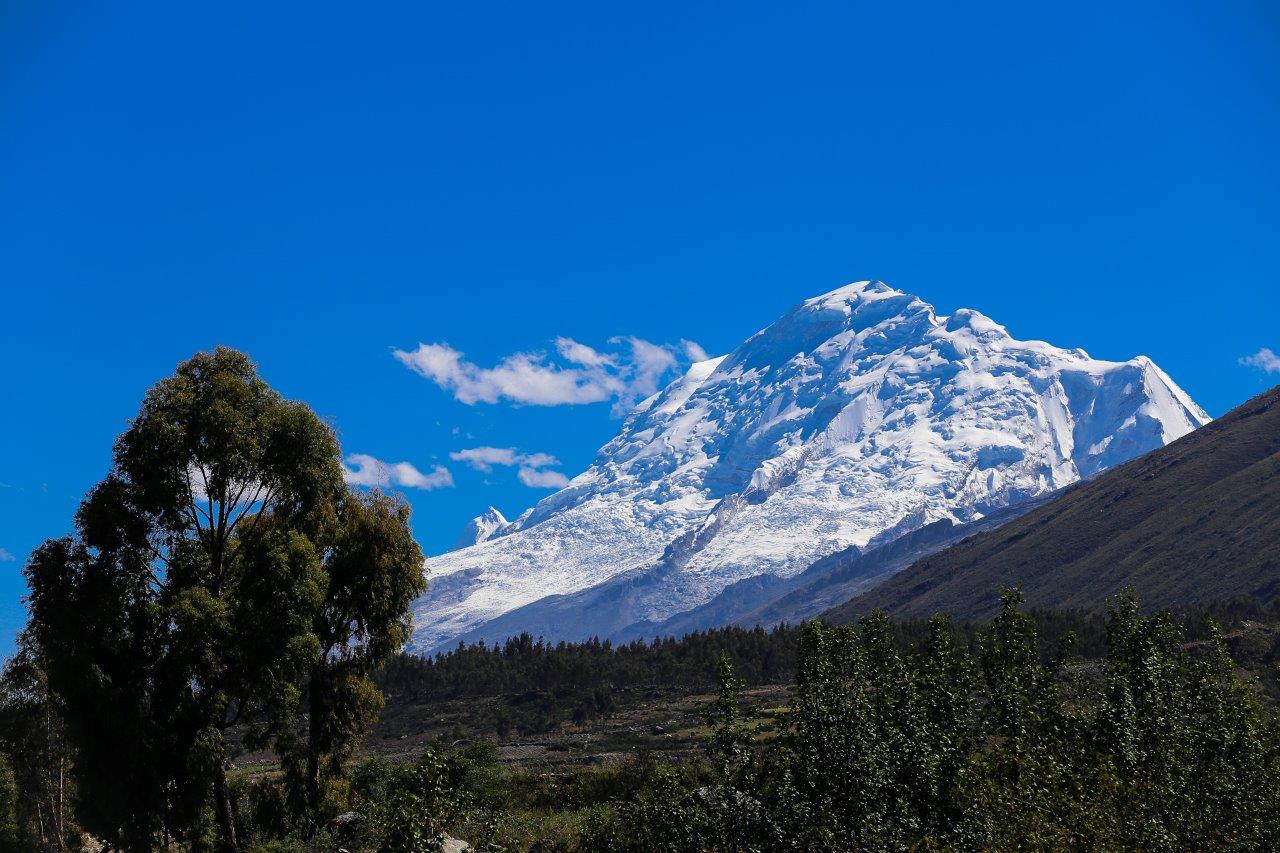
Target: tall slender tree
[[33, 735], [193, 595], [372, 572]]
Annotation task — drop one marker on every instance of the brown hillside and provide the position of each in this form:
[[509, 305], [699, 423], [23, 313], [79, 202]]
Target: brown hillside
[[1197, 521]]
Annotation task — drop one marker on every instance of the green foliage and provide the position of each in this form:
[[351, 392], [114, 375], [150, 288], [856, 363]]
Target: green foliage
[[675, 812], [523, 664], [543, 684], [1030, 780], [419, 801], [932, 747], [372, 572], [1186, 740], [666, 817], [10, 826], [728, 745], [33, 737], [879, 737], [927, 737], [221, 577]]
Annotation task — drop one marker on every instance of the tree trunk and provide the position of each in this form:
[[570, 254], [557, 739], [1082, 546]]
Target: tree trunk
[[315, 720], [60, 818], [226, 815], [44, 838]]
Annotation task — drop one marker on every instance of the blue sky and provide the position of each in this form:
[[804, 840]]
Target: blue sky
[[323, 188]]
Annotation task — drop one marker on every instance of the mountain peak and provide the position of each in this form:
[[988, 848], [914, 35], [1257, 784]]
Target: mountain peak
[[480, 529], [857, 417], [865, 290], [860, 296]]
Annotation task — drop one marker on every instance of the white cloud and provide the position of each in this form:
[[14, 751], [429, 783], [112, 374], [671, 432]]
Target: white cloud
[[520, 378], [370, 471], [484, 458], [536, 479], [1263, 359], [577, 353], [6, 556], [533, 466], [693, 351], [582, 374], [539, 460], [650, 363]]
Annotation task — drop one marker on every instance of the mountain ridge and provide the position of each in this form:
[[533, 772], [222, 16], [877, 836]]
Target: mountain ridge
[[1195, 522], [859, 416]]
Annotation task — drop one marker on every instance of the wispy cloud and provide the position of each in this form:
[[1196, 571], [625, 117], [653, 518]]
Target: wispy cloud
[[367, 470], [693, 351], [579, 374], [533, 466], [571, 350], [484, 458], [6, 556], [536, 479], [1263, 359]]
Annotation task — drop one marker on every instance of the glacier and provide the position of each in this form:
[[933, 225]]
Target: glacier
[[858, 417]]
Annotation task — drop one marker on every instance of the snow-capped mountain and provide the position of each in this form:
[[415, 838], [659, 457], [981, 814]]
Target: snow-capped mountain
[[859, 416], [480, 528]]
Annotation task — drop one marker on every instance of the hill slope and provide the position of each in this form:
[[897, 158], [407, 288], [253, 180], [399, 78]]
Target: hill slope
[[1197, 521]]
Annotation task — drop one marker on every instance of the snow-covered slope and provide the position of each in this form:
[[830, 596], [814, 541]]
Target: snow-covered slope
[[857, 417]]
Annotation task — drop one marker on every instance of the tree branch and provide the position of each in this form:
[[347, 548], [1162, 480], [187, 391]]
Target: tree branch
[[195, 510], [266, 500], [249, 506], [208, 498]]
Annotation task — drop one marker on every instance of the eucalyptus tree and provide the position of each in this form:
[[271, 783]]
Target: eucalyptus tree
[[192, 598], [372, 570], [33, 736]]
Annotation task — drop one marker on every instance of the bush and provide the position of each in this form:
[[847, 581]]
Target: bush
[[1016, 747]]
